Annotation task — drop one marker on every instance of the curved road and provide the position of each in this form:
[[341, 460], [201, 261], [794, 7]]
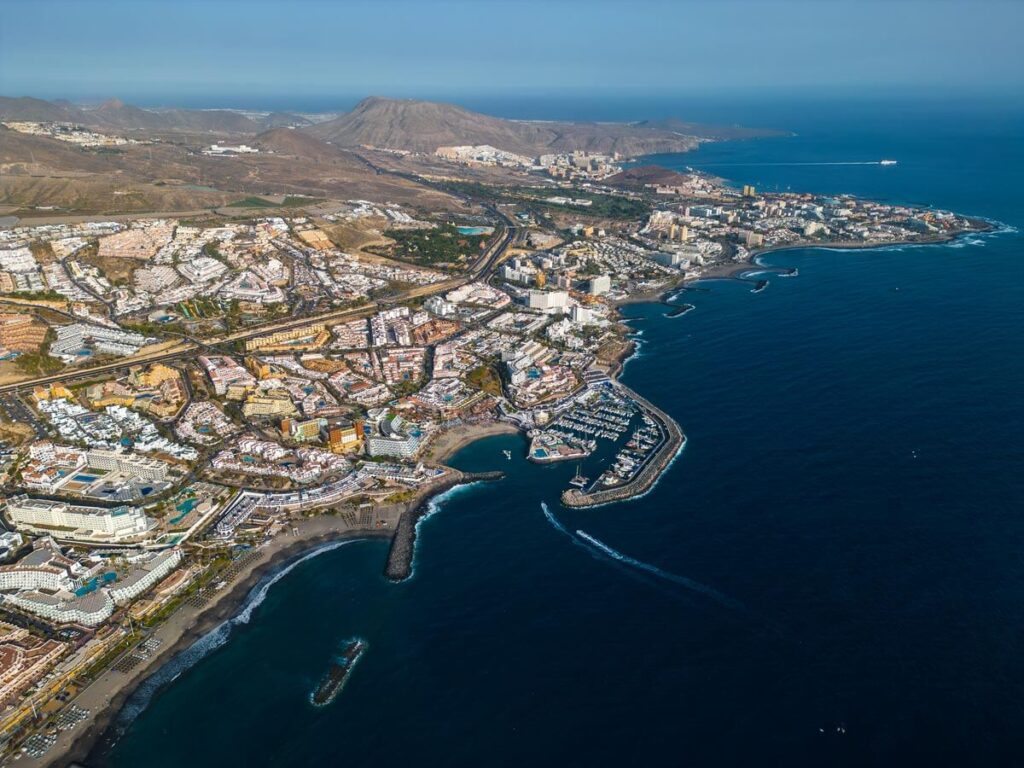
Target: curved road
[[189, 346]]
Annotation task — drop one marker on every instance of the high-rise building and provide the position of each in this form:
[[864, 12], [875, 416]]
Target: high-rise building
[[599, 285]]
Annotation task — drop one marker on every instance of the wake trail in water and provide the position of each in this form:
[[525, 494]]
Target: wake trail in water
[[746, 165], [597, 555], [594, 545], [682, 581]]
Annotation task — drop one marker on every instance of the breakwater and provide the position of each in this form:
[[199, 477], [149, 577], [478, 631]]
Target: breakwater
[[403, 543], [648, 475]]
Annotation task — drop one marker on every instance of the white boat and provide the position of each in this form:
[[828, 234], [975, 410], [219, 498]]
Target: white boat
[[508, 455], [887, 162]]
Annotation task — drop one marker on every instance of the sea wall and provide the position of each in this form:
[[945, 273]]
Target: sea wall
[[648, 475], [403, 543]]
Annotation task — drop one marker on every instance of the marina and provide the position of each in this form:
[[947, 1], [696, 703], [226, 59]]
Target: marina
[[599, 414], [637, 465]]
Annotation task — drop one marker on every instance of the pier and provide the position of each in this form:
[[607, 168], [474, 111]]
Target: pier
[[648, 475]]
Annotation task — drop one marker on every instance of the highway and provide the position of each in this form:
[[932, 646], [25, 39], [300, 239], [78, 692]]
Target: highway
[[188, 347]]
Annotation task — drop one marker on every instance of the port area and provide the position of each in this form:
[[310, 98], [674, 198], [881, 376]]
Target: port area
[[338, 672], [655, 439], [600, 414]]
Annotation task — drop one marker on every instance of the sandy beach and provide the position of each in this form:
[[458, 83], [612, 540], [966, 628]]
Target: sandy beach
[[106, 695], [104, 698], [452, 440]]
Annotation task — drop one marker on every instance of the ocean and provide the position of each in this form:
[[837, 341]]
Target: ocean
[[830, 573]]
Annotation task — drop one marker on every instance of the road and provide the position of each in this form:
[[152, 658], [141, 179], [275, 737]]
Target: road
[[188, 347]]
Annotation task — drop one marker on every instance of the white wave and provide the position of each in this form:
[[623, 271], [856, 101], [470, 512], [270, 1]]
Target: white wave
[[258, 595], [765, 165], [682, 581], [636, 354], [681, 309], [433, 507], [436, 502], [211, 641]]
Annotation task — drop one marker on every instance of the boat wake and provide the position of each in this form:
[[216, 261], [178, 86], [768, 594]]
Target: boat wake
[[750, 165], [682, 581], [554, 520], [211, 641], [597, 547]]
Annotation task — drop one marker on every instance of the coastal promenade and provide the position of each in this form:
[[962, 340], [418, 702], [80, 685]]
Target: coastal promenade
[[644, 480]]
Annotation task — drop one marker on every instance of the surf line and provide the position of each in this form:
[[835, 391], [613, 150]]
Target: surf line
[[592, 544]]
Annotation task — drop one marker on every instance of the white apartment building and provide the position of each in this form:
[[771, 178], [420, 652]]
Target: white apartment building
[[43, 516], [548, 301], [145, 576], [66, 608], [202, 269]]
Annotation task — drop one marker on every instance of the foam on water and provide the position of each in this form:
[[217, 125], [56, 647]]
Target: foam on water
[[211, 641], [433, 507], [435, 503]]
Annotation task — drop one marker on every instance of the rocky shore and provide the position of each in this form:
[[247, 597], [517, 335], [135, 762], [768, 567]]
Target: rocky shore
[[403, 543]]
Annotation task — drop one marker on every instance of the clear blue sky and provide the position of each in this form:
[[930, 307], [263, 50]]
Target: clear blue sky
[[251, 50]]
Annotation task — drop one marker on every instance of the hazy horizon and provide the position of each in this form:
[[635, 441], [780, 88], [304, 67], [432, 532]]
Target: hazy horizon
[[250, 53]]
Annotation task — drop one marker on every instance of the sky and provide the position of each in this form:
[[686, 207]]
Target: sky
[[249, 52]]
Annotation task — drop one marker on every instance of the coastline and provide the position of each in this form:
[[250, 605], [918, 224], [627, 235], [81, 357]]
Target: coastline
[[105, 697], [648, 475], [735, 270], [454, 439], [112, 689], [402, 553]]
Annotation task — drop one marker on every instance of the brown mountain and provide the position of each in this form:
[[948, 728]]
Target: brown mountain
[[115, 115], [174, 176], [295, 143], [283, 120], [33, 110], [423, 126], [642, 175]]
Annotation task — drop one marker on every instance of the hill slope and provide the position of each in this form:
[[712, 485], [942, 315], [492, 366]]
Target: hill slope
[[116, 116], [423, 126]]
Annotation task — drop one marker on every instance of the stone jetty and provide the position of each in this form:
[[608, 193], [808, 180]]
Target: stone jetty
[[403, 543]]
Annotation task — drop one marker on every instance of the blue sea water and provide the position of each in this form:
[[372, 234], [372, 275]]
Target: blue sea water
[[831, 572]]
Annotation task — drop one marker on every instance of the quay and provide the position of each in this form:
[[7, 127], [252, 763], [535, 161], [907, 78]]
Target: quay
[[642, 481], [403, 543]]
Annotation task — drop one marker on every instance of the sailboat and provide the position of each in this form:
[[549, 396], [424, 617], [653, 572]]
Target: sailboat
[[578, 480]]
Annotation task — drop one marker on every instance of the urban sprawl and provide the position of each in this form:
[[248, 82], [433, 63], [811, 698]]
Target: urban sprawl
[[177, 394]]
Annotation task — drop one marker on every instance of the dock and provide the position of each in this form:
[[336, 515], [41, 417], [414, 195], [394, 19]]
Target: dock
[[648, 475]]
